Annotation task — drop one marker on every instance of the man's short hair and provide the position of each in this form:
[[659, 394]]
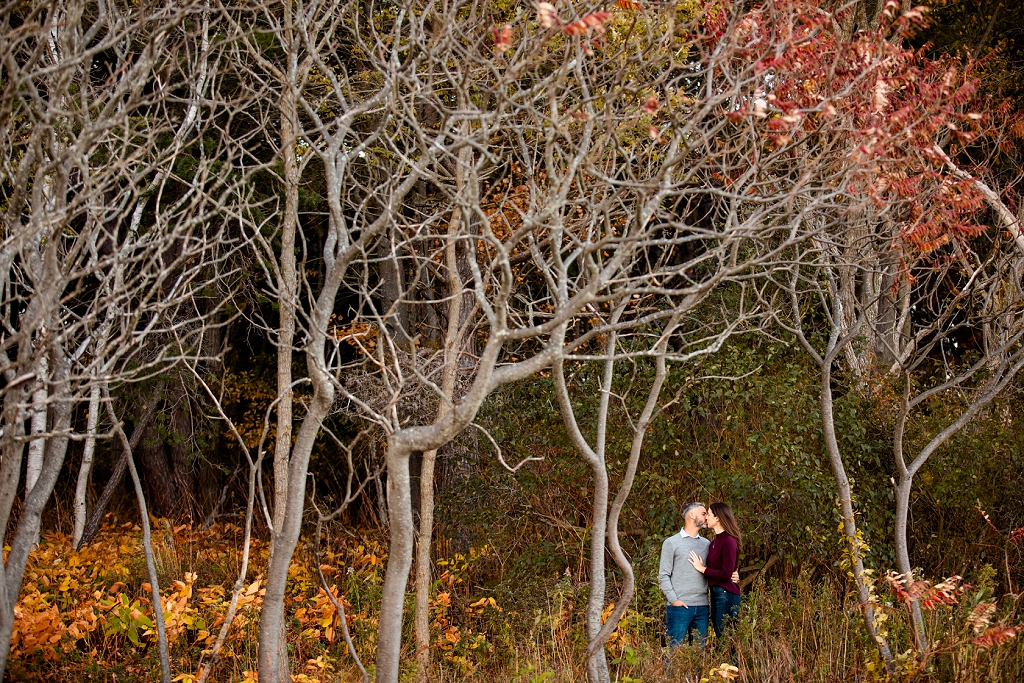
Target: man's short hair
[[690, 506]]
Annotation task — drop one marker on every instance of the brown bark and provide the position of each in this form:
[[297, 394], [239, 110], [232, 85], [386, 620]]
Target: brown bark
[[182, 462], [163, 491]]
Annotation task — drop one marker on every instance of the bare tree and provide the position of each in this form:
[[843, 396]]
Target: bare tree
[[819, 290], [94, 221], [576, 162], [340, 120], [959, 340]]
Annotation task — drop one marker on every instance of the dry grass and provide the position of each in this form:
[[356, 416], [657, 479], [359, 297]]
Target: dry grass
[[802, 632]]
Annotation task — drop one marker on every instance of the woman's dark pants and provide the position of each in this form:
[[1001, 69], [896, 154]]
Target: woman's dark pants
[[725, 608]]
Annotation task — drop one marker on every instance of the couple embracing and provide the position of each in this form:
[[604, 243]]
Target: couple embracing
[[690, 564]]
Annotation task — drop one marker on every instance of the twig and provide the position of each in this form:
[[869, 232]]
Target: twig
[[158, 607]]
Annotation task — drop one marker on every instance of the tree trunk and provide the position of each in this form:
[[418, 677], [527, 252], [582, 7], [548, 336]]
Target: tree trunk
[[285, 537], [27, 532], [147, 546], [640, 431], [159, 476], [92, 527], [421, 618], [182, 434], [389, 638], [853, 538], [903, 491], [597, 661], [460, 308], [394, 308], [401, 444], [287, 285], [34, 464], [86, 469]]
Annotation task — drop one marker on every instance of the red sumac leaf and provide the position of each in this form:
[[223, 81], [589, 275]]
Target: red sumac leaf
[[502, 37], [547, 16]]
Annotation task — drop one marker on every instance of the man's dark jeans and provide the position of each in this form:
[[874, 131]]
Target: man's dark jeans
[[681, 622], [725, 609]]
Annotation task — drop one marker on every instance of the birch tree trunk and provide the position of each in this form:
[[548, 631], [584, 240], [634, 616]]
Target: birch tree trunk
[[81, 488], [34, 463]]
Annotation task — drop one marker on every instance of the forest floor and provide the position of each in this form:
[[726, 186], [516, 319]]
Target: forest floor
[[86, 616]]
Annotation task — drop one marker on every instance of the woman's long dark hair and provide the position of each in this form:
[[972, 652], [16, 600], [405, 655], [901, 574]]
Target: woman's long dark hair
[[728, 520]]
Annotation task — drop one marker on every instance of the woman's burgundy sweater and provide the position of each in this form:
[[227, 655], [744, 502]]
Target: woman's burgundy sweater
[[723, 560]]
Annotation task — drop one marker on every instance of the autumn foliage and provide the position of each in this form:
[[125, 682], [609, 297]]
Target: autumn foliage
[[631, 156]]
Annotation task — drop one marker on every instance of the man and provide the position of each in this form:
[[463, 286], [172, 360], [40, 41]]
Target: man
[[684, 587]]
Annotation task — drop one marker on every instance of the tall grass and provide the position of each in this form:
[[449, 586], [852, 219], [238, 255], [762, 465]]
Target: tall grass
[[804, 631]]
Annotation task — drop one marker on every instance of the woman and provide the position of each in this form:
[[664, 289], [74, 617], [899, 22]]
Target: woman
[[723, 560]]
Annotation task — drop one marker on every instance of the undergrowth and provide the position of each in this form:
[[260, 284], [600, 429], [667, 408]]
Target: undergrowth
[[86, 616]]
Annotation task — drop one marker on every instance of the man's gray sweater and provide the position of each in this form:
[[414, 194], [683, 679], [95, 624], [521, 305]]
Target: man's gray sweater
[[676, 576]]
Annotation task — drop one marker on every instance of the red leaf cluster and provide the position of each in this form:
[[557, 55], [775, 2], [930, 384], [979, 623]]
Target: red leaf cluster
[[594, 21], [929, 596], [997, 635], [874, 105], [502, 37], [547, 15]]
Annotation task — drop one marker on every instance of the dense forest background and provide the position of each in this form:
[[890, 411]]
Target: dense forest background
[[509, 573]]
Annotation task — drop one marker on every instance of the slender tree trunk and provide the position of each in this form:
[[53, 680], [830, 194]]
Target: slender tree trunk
[[286, 298], [597, 661], [185, 480], [389, 638], [27, 532], [646, 416], [459, 311], [903, 491], [34, 464], [421, 619], [86, 468], [147, 546], [1001, 375], [401, 444], [285, 537], [853, 538], [92, 527], [394, 308], [287, 287]]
